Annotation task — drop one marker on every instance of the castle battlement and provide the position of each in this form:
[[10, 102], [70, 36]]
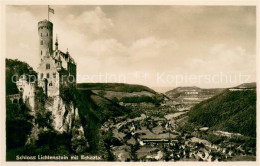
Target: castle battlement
[[45, 24]]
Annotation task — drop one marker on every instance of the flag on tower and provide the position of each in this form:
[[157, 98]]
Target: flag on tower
[[51, 10]]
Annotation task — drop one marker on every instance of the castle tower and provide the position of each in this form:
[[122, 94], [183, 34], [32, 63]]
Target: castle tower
[[45, 30], [57, 69]]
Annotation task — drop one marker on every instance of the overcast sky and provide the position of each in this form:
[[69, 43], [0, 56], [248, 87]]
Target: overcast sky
[[155, 46]]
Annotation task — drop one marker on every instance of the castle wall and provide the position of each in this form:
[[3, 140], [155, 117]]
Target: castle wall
[[64, 62], [28, 91], [48, 76], [72, 68]]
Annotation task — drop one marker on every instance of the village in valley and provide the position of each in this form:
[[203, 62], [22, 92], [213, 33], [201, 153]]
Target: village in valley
[[156, 135]]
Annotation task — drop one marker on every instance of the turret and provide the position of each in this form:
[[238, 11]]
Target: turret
[[45, 30], [56, 43]]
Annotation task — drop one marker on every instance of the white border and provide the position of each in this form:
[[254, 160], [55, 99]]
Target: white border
[[115, 2]]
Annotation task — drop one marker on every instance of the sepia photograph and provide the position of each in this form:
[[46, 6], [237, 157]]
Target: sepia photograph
[[130, 83]]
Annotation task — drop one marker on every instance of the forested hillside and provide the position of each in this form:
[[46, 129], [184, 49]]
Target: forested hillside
[[14, 69], [118, 87], [233, 111], [126, 93]]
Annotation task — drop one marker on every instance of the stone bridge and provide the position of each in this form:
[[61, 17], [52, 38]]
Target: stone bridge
[[16, 98]]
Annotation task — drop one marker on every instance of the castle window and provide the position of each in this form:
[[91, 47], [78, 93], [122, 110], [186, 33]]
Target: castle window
[[41, 52], [50, 84], [41, 34], [48, 75], [54, 75], [47, 34], [42, 75], [48, 66], [41, 42]]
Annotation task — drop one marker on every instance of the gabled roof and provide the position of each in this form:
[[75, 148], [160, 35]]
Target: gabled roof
[[65, 56]]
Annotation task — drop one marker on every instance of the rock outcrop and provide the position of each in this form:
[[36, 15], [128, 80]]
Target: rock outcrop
[[64, 118]]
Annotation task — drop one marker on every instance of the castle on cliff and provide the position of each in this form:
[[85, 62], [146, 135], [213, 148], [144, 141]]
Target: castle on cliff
[[56, 70]]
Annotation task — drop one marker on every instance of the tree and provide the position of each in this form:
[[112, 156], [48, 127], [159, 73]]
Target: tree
[[102, 93], [133, 154], [18, 124], [115, 100], [166, 154]]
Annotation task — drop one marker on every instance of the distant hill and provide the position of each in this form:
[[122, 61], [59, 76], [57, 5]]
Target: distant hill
[[192, 95], [123, 92], [247, 85], [117, 87], [232, 111]]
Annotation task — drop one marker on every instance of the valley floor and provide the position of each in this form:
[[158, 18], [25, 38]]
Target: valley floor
[[157, 134]]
